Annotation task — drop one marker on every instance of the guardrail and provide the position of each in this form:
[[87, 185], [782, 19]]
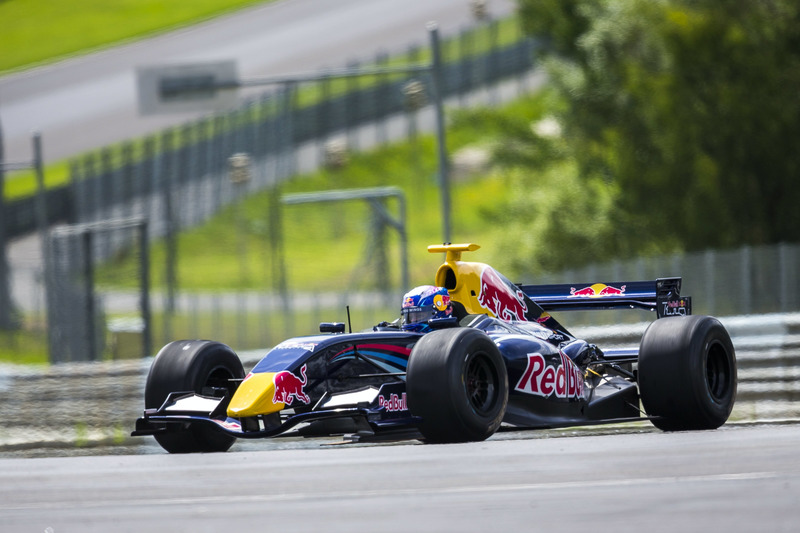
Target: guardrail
[[95, 404], [767, 355]]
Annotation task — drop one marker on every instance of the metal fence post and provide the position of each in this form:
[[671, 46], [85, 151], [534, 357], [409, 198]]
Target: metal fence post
[[710, 280], [44, 236], [381, 95], [144, 294], [747, 277], [8, 314], [88, 274], [444, 178], [170, 237], [284, 166]]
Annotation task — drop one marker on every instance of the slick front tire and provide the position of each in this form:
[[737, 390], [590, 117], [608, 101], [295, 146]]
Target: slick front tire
[[457, 383], [687, 373], [198, 366]]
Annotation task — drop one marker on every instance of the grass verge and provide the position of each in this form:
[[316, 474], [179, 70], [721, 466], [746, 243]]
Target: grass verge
[[43, 31]]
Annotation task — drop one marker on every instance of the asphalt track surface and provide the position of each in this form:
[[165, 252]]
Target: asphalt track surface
[[736, 479], [90, 101]]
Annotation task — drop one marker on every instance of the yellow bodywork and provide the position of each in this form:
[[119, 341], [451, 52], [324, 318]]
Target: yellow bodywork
[[477, 285], [462, 279], [254, 396]]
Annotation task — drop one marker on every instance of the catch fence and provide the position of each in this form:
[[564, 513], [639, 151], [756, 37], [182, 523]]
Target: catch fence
[[748, 280], [181, 177], [744, 281]]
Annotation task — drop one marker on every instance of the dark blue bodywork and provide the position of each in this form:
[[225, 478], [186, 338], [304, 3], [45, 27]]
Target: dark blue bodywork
[[356, 384]]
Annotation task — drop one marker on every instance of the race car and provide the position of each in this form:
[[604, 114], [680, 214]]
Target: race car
[[470, 353]]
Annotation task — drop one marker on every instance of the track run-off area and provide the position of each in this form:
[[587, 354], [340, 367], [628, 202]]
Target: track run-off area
[[742, 477]]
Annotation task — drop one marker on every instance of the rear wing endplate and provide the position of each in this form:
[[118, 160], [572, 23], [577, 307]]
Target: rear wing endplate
[[662, 296]]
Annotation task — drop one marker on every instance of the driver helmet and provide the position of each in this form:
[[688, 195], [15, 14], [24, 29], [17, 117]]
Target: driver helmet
[[422, 304]]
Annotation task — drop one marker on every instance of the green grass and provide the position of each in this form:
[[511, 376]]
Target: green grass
[[325, 243], [41, 31], [327, 246], [22, 183], [26, 346]]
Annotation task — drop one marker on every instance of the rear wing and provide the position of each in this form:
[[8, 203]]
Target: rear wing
[[662, 296]]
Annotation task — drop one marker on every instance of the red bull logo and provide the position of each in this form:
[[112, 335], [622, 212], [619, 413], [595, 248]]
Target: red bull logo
[[542, 379], [598, 290], [676, 307], [441, 302], [498, 298], [289, 387], [393, 403]]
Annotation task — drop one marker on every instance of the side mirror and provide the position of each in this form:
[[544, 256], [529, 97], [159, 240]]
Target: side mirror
[[331, 327]]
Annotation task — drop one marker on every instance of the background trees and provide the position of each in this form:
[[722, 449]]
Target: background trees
[[681, 118]]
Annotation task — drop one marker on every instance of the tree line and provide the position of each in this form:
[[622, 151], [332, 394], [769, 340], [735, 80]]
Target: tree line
[[679, 122]]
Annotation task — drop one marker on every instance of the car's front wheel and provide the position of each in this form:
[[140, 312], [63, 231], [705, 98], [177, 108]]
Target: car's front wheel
[[198, 366], [457, 384]]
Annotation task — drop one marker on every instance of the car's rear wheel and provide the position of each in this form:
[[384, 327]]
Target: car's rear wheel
[[687, 373], [199, 366], [457, 384]]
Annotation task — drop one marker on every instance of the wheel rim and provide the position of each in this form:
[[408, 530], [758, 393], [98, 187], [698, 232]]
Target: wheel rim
[[480, 383], [718, 372], [219, 378]]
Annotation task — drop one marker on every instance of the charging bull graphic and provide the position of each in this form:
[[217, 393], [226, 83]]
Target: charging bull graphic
[[497, 297], [598, 290], [289, 387]]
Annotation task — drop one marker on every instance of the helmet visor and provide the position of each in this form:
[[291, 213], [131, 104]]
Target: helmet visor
[[416, 315]]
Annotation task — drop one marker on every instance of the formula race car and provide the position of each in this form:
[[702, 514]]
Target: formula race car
[[471, 353]]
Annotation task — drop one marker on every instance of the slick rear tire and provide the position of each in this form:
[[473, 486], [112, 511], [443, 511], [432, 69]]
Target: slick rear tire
[[687, 373], [457, 383], [192, 366]]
